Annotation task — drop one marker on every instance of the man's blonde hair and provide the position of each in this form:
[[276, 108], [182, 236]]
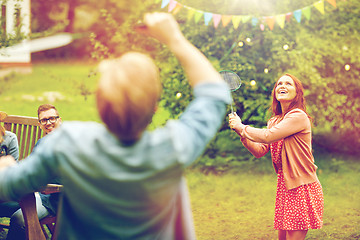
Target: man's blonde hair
[[46, 107], [127, 94]]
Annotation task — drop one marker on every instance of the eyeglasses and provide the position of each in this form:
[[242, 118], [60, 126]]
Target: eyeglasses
[[52, 119]]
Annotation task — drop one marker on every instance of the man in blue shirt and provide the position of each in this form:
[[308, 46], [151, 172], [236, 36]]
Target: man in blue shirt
[[120, 180], [46, 204]]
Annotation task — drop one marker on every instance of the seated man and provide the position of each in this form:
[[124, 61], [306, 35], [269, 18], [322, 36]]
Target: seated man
[[120, 180], [46, 204]]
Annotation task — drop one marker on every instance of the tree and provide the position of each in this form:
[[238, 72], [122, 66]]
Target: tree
[[332, 91], [9, 39], [317, 51]]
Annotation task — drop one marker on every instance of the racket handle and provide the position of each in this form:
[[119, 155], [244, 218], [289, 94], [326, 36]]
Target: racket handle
[[232, 110]]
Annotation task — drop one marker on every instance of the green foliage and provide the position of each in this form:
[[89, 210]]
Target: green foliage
[[4, 82], [226, 153], [42, 12], [332, 92], [84, 90], [113, 33], [317, 54], [8, 39], [318, 50]]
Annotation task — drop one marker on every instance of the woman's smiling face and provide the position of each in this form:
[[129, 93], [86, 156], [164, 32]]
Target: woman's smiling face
[[285, 89]]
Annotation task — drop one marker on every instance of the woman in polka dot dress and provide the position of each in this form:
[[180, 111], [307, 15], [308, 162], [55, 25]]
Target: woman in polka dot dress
[[299, 201]]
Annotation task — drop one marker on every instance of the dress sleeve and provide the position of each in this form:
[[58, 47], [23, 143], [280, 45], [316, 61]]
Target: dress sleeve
[[294, 121]]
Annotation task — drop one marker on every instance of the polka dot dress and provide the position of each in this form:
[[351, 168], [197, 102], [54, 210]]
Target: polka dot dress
[[300, 208]]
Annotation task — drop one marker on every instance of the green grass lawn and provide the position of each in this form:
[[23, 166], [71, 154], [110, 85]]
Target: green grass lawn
[[235, 205], [240, 204], [64, 85], [69, 86]]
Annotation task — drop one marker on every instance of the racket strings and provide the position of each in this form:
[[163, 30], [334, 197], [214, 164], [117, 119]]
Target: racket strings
[[232, 79]]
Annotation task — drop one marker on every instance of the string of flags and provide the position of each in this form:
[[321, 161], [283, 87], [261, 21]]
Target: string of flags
[[174, 7]]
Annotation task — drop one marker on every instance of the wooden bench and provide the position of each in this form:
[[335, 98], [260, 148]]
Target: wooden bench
[[28, 133]]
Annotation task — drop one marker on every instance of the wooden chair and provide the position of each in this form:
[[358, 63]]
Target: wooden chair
[[28, 133], [50, 221]]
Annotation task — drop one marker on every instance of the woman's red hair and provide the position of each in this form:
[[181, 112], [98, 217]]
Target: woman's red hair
[[298, 102]]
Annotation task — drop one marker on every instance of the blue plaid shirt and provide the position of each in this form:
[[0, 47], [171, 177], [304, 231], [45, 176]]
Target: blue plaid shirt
[[117, 191]]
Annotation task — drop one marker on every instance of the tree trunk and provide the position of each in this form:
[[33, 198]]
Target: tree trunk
[[71, 15]]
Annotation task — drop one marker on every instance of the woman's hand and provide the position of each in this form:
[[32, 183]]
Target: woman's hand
[[235, 122], [161, 26]]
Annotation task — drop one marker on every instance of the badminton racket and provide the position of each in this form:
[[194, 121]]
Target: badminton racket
[[233, 81], [40, 44]]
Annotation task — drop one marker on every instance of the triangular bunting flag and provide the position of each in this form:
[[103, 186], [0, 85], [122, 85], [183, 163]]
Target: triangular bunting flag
[[172, 5], [217, 19], [191, 13], [271, 22], [307, 12], [280, 19], [236, 21], [198, 15], [288, 16], [254, 21], [262, 27], [164, 3], [226, 19], [297, 15], [320, 6], [245, 18], [177, 8], [207, 17], [332, 2]]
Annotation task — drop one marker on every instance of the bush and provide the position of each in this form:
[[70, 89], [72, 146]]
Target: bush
[[346, 141], [225, 152]]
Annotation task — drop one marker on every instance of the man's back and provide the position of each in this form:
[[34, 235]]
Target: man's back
[[125, 191]]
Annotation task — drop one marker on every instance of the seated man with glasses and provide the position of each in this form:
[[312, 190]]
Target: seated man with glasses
[[46, 204], [49, 118]]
